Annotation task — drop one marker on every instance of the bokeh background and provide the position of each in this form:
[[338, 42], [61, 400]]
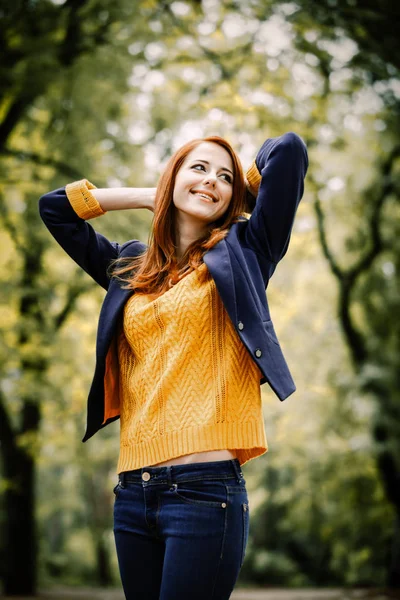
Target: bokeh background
[[107, 90]]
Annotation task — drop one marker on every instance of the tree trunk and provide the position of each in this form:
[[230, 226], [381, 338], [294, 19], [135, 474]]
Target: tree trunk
[[394, 567], [20, 528], [103, 563]]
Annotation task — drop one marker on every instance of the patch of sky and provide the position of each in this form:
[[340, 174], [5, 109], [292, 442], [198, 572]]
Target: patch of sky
[[192, 75], [326, 133], [282, 108], [153, 79], [212, 9], [189, 130], [206, 28], [234, 25], [106, 144], [311, 59], [123, 171], [248, 149], [392, 85], [163, 137], [367, 102], [180, 9], [156, 26], [342, 50], [339, 80], [259, 97], [153, 159], [185, 42], [192, 97], [307, 81], [135, 48], [139, 132], [144, 101], [310, 36], [288, 8], [336, 184], [304, 224], [379, 125], [302, 110], [215, 114], [272, 64], [353, 123], [360, 442], [137, 75], [388, 269], [154, 51], [275, 34]]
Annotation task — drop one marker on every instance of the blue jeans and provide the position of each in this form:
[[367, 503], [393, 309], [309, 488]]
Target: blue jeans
[[181, 531]]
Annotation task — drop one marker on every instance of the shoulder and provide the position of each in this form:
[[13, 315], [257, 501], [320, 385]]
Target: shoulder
[[133, 248]]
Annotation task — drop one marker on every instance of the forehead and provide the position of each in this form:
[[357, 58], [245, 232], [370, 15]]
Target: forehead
[[213, 153]]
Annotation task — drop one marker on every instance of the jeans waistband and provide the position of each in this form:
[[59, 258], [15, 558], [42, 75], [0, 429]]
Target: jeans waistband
[[222, 469]]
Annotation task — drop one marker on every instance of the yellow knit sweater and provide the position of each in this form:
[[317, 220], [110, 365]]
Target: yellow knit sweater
[[186, 382]]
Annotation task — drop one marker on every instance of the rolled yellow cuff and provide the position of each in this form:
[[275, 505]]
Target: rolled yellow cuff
[[82, 200], [253, 178]]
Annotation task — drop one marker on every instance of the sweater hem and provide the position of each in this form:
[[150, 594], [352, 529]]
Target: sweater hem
[[247, 439]]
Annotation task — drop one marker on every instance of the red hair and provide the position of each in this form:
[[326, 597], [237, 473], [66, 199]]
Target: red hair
[[151, 272]]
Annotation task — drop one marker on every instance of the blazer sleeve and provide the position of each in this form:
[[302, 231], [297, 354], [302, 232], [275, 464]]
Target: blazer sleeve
[[276, 178], [65, 211]]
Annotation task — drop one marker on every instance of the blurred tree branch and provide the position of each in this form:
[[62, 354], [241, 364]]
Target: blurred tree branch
[[347, 277], [45, 161]]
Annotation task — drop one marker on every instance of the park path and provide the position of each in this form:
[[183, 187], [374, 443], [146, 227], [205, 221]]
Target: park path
[[240, 594]]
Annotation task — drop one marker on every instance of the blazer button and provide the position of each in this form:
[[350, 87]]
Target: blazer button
[[240, 325], [258, 353]]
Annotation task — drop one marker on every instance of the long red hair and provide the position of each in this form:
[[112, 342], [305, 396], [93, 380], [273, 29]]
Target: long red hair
[[154, 271]]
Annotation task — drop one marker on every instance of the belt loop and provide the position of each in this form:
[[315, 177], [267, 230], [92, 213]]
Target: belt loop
[[169, 475], [237, 469], [122, 480]]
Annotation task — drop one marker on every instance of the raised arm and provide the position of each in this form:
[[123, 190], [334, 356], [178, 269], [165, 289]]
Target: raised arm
[[65, 212], [276, 178]]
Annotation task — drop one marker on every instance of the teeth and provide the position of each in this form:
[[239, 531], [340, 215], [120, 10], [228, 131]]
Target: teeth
[[204, 196]]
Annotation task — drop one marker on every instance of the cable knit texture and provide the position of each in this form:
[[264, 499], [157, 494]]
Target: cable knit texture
[[187, 382]]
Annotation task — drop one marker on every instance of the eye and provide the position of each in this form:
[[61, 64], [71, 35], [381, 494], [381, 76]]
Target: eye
[[228, 177]]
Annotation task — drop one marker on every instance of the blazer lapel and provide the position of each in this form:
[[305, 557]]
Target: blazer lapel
[[109, 314], [113, 304]]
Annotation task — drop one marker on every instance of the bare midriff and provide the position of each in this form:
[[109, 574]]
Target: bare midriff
[[208, 456]]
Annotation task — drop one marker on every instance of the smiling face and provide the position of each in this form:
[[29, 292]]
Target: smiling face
[[204, 184]]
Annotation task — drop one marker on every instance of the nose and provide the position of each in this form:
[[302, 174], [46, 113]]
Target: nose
[[210, 179]]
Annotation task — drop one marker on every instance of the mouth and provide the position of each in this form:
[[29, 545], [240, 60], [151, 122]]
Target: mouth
[[206, 196]]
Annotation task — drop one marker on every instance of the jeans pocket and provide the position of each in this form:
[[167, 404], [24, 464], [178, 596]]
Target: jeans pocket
[[116, 490], [237, 488], [201, 493]]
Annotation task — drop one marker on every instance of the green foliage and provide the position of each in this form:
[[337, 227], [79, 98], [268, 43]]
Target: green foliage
[[108, 92]]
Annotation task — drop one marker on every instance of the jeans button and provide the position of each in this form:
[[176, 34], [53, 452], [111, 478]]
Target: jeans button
[[146, 476]]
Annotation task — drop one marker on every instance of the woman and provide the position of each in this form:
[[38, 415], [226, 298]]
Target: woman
[[184, 341]]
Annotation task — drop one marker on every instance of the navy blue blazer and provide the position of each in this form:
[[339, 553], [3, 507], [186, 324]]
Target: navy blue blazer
[[241, 265]]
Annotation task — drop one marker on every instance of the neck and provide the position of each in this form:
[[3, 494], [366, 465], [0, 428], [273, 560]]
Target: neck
[[187, 231]]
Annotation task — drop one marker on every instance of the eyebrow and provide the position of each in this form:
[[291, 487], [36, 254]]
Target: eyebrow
[[207, 163]]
